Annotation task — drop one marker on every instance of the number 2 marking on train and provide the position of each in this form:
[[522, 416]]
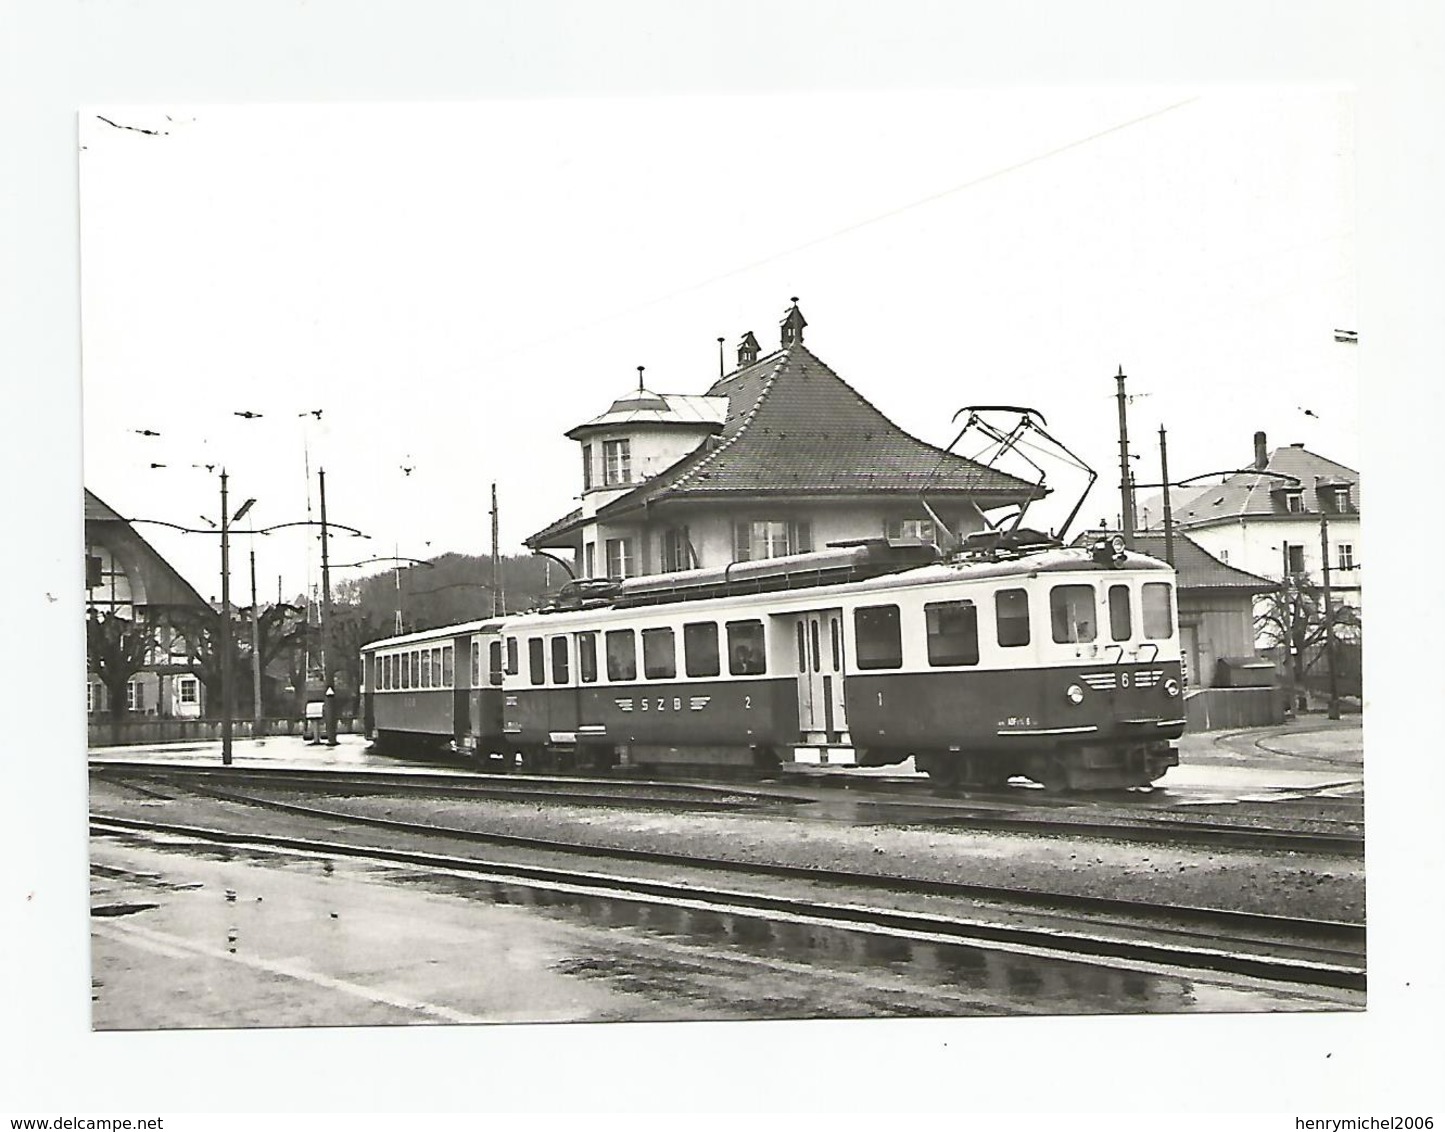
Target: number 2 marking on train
[[747, 702]]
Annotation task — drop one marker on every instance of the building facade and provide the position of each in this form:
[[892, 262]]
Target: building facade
[[778, 457]]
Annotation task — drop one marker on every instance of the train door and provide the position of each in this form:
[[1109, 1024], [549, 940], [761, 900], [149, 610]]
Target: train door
[[818, 637], [562, 700], [456, 665], [590, 725]]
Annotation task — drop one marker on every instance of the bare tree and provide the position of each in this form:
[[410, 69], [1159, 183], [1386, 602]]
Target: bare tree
[[116, 649]]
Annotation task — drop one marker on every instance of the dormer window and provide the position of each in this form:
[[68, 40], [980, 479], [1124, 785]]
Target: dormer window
[[616, 462], [586, 467], [1294, 501], [1341, 498]]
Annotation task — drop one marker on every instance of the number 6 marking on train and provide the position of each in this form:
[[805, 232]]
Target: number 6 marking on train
[[1123, 679]]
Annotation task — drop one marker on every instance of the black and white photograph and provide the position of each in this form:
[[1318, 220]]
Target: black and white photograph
[[800, 565]]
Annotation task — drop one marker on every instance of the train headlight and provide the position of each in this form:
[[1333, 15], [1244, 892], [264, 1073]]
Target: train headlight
[[1117, 544], [1075, 694], [1171, 687]]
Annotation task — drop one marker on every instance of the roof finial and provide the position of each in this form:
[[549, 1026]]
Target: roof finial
[[639, 378], [793, 323], [721, 368]]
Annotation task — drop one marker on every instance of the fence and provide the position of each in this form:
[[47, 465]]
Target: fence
[[150, 731], [1212, 709]]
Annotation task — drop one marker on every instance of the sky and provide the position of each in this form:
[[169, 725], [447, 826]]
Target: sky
[[452, 286]]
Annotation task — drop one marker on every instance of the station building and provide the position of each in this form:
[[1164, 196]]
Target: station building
[[780, 456]]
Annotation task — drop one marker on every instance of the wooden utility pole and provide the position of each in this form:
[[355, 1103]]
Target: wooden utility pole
[[1168, 511], [1329, 618], [498, 603], [1125, 487]]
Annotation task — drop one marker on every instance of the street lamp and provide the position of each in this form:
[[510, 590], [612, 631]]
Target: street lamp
[[226, 705]]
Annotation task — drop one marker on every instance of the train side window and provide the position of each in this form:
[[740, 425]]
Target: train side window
[[536, 661], [1121, 623], [426, 669], [421, 669], [746, 653], [699, 649], [659, 654], [621, 655], [494, 662], [560, 664], [449, 672], [512, 664], [406, 671], [1011, 615], [476, 659], [880, 640], [587, 657], [952, 632], [1072, 613], [1158, 611]]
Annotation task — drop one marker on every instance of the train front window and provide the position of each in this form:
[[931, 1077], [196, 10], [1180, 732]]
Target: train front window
[[1121, 624], [746, 655], [559, 660], [952, 633], [699, 649], [476, 664], [1072, 612], [536, 661], [659, 657], [1158, 611], [880, 639], [587, 657], [1011, 616], [621, 655], [494, 662], [512, 665]]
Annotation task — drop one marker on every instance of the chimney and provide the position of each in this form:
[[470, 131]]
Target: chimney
[[793, 323], [1261, 454], [747, 350]]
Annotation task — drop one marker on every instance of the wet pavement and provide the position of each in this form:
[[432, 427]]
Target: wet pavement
[[186, 935]]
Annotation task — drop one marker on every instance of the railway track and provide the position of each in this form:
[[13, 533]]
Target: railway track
[[1145, 828], [1285, 949]]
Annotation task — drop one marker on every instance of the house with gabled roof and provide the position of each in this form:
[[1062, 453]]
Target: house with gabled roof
[[1270, 518], [780, 456], [126, 579]]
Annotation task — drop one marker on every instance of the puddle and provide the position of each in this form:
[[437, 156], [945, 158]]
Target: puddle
[[121, 909]]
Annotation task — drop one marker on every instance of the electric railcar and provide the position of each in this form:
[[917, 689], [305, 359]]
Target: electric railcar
[[1015, 656]]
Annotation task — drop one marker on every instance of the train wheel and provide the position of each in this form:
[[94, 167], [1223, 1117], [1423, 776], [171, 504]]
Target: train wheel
[[946, 770]]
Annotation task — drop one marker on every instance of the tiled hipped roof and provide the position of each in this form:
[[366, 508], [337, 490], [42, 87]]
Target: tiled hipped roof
[[1198, 569], [794, 427], [1250, 494]]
